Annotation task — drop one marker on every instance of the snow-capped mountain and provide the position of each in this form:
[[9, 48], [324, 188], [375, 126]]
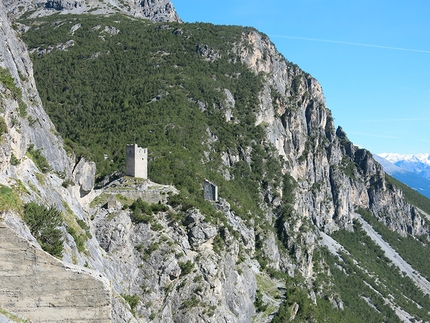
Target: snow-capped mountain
[[413, 170], [418, 164]]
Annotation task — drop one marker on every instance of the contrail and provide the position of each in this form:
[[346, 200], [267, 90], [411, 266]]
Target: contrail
[[354, 44], [394, 120]]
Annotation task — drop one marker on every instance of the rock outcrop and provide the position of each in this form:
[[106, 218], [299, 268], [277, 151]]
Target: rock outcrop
[[155, 10], [83, 175]]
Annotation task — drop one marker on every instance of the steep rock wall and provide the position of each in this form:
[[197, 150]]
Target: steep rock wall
[[26, 120], [334, 176], [44, 289]]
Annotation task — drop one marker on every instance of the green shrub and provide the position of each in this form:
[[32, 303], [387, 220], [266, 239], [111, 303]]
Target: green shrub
[[148, 251], [14, 161], [82, 224], [158, 207], [259, 305], [44, 225], [132, 300], [7, 80], [3, 126], [79, 239], [66, 183], [9, 199], [38, 159], [22, 108], [191, 302], [139, 247], [186, 267], [142, 212], [156, 227], [218, 243]]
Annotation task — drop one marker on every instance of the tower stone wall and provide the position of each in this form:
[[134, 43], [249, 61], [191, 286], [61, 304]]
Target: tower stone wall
[[210, 191], [136, 161]]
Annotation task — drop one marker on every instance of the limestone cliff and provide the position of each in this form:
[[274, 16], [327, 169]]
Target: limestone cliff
[[334, 176]]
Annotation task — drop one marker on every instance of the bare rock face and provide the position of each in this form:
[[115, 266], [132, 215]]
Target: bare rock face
[[158, 10], [176, 267], [155, 10], [44, 289], [26, 120], [199, 230]]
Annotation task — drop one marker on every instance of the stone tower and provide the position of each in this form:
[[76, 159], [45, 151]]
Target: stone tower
[[136, 161]]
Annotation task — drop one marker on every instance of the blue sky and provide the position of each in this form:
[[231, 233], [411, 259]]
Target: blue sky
[[372, 59]]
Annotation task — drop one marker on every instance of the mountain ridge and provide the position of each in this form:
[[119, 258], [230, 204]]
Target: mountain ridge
[[413, 170], [154, 10]]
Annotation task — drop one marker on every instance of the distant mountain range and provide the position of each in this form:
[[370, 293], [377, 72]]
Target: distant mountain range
[[413, 170]]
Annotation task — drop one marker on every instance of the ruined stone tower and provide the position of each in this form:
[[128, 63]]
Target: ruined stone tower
[[210, 191], [136, 161]]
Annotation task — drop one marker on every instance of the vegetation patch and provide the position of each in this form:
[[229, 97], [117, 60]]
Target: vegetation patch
[[148, 251], [99, 200], [159, 108], [9, 199], [348, 167], [379, 280], [186, 267], [3, 126], [7, 80], [259, 304], [19, 187], [40, 178], [13, 317], [191, 302], [78, 229], [36, 156], [44, 223], [415, 250], [142, 212], [13, 160], [132, 300]]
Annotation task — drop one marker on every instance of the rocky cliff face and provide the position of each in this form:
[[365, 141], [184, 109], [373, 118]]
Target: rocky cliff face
[[334, 176], [155, 10], [179, 265], [47, 290], [25, 118]]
